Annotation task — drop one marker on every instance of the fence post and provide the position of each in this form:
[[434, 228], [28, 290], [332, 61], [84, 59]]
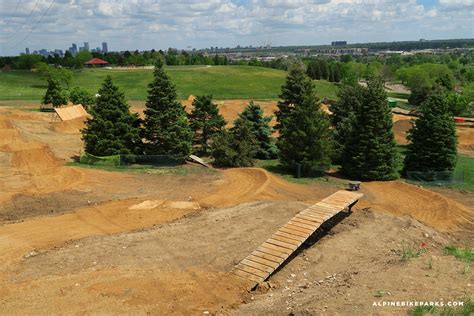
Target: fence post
[[298, 170]]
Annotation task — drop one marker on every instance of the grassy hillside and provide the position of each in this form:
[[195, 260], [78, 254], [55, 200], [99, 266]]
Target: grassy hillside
[[223, 82]]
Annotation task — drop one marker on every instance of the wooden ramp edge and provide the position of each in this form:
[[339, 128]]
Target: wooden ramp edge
[[270, 255]]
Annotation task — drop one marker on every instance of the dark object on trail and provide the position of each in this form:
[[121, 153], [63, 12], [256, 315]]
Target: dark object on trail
[[354, 185]]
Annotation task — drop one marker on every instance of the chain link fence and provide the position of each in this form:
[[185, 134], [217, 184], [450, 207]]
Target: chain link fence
[[132, 160]]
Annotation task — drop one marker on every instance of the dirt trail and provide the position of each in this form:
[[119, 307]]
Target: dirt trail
[[17, 240], [28, 165], [431, 208], [236, 187]]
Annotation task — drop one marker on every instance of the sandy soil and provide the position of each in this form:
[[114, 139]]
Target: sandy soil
[[76, 240]]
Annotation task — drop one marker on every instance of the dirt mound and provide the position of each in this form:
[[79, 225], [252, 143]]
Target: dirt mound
[[400, 129], [30, 165], [254, 184], [426, 206], [71, 126]]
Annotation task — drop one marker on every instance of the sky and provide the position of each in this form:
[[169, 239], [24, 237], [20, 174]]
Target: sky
[[159, 24]]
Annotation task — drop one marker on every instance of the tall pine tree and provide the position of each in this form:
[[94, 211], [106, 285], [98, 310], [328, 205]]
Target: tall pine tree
[[432, 139], [112, 129], [343, 111], [306, 138], [297, 86], [260, 128], [370, 152], [165, 127], [205, 121]]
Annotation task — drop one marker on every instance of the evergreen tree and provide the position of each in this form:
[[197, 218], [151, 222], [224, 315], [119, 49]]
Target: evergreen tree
[[432, 139], [337, 72], [112, 129], [331, 74], [165, 127], [324, 69], [297, 86], [313, 70], [260, 128], [205, 121], [343, 111], [235, 147], [370, 152], [306, 138], [55, 95]]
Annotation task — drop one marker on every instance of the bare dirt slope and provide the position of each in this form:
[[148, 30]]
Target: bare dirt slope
[[182, 268]]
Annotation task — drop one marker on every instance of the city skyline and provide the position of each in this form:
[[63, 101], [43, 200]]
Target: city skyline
[[150, 24], [73, 49]]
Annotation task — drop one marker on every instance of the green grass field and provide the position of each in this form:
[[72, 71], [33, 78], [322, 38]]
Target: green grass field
[[223, 82]]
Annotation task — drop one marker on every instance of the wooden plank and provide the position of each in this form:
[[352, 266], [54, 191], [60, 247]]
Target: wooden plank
[[302, 221], [248, 276], [289, 236], [267, 256], [326, 206], [309, 218], [249, 269], [316, 212], [257, 265], [291, 240], [264, 261], [293, 232], [329, 206], [296, 243], [298, 228], [316, 216], [284, 250], [310, 227], [319, 209], [273, 252], [281, 244]]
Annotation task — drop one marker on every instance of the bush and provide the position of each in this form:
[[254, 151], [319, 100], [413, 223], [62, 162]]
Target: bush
[[79, 95], [235, 147]]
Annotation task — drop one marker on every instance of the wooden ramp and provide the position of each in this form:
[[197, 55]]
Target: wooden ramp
[[261, 263]]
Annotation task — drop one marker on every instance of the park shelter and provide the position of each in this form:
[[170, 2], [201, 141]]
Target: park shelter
[[96, 62]]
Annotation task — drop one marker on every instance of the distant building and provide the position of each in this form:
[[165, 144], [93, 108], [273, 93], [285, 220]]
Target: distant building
[[43, 52], [27, 50], [86, 46], [73, 49], [339, 43], [105, 49], [96, 62]]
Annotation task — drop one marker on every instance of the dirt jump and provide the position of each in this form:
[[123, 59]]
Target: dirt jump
[[80, 240]]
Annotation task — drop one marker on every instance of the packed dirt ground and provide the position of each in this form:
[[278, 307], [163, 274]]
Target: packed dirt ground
[[81, 240]]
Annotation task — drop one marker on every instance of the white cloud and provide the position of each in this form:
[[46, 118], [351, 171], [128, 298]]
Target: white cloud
[[146, 24]]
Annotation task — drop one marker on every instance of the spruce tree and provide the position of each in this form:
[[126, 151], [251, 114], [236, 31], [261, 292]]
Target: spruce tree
[[343, 111], [297, 86], [235, 147], [306, 138], [112, 129], [205, 121], [432, 139], [370, 152], [260, 128], [165, 127], [55, 95]]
